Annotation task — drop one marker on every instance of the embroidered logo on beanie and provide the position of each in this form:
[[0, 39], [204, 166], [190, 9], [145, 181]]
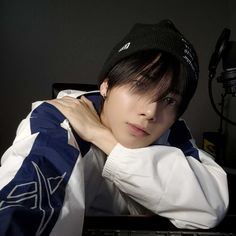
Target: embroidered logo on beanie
[[126, 46]]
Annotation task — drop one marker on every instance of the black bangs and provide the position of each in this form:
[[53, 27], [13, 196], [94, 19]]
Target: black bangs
[[130, 68], [153, 72]]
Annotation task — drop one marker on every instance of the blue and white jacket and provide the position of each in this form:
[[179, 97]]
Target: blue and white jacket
[[50, 178]]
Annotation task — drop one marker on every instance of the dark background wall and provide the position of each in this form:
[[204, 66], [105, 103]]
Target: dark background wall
[[43, 42]]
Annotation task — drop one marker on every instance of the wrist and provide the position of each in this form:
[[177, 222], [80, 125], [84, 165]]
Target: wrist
[[105, 140]]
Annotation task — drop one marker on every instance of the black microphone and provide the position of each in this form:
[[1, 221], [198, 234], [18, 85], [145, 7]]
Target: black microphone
[[220, 47], [228, 76]]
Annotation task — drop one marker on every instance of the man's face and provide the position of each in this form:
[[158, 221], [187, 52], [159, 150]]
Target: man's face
[[136, 120]]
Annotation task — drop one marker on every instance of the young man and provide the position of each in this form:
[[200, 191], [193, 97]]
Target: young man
[[120, 150]]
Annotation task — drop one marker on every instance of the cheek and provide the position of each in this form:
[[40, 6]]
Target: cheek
[[114, 114], [163, 123], [120, 103], [166, 116]]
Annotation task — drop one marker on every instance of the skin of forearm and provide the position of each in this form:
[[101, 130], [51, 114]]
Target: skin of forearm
[[104, 140]]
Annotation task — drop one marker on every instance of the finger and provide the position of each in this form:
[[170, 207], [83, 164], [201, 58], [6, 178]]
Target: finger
[[84, 99], [88, 102], [69, 99], [59, 103]]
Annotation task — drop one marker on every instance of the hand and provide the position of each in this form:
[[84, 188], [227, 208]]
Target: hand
[[80, 113], [85, 121]]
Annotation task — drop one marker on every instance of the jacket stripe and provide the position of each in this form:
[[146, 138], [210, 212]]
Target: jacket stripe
[[36, 193], [180, 137]]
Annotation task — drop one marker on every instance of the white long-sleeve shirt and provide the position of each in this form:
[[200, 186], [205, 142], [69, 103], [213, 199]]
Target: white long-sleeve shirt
[[50, 177]]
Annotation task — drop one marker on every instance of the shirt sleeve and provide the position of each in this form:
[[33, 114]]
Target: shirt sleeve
[[191, 192], [41, 181]]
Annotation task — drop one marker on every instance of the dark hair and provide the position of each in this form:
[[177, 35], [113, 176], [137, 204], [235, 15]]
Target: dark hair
[[147, 69]]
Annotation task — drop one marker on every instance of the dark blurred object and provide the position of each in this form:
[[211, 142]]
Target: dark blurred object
[[214, 144], [228, 76], [225, 50], [57, 87]]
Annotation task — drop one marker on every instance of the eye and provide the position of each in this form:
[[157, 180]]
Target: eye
[[169, 101]]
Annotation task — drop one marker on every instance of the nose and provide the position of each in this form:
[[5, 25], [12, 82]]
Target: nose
[[149, 111]]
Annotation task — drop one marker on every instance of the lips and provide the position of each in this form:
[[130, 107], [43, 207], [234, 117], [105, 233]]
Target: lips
[[137, 130]]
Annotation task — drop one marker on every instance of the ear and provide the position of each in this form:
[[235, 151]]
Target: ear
[[104, 88]]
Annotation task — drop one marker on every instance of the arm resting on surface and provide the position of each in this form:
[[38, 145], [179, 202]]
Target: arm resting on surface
[[192, 194]]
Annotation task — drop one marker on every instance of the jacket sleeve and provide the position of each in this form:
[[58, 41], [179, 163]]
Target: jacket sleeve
[[38, 191], [179, 182]]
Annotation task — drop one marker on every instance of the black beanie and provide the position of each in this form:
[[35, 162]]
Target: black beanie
[[163, 36]]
